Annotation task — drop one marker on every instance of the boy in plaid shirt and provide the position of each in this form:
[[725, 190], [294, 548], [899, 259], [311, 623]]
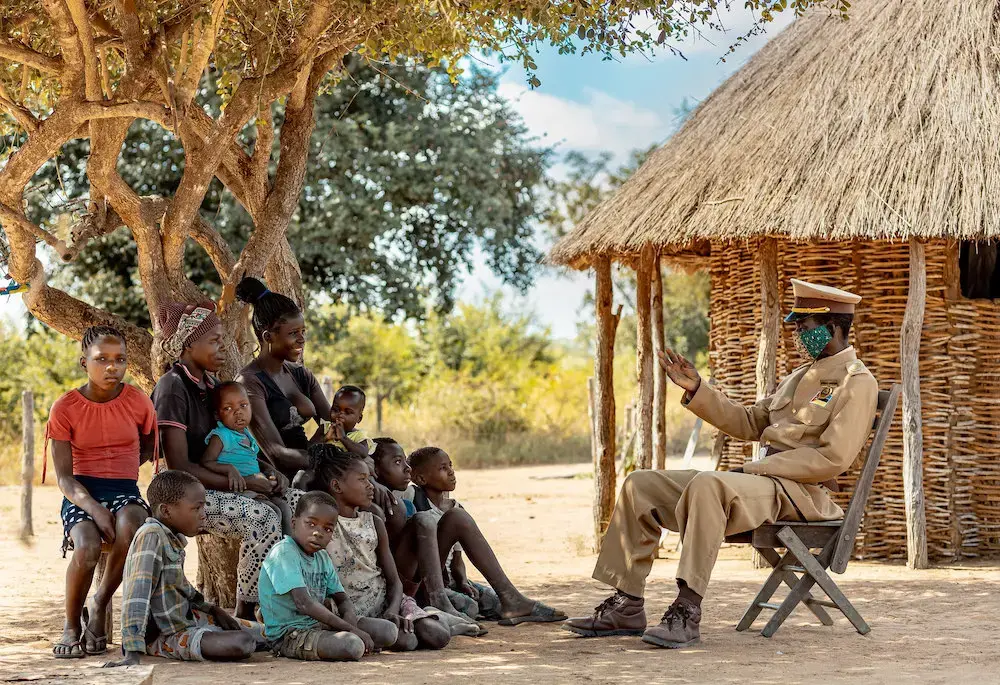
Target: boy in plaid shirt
[[162, 613]]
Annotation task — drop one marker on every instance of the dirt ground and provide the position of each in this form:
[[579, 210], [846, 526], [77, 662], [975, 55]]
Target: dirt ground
[[936, 626]]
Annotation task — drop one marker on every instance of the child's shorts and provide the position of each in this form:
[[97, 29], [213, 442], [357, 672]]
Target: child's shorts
[[186, 645], [113, 493], [299, 644]]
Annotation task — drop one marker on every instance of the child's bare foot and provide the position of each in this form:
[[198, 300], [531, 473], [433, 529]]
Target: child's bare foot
[[440, 600], [69, 646], [95, 638]]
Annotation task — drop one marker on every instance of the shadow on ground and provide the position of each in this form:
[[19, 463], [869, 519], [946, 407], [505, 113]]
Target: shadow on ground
[[921, 631]]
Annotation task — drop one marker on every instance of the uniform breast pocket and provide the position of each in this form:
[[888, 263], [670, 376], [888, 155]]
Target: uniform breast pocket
[[813, 416]]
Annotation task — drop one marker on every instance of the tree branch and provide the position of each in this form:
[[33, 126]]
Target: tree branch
[[187, 80], [85, 36], [217, 249], [21, 114], [16, 52]]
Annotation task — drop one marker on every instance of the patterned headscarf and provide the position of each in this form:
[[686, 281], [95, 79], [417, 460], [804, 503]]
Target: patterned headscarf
[[184, 324]]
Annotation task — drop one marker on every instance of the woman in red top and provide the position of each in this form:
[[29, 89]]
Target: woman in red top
[[100, 434]]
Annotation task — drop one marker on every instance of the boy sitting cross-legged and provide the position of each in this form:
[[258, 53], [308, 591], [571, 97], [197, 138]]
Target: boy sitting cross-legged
[[440, 526], [162, 614], [298, 582]]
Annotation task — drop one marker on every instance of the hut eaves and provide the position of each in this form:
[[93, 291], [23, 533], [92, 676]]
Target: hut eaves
[[881, 127]]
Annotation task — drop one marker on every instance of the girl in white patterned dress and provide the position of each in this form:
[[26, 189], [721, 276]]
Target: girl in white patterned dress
[[360, 551]]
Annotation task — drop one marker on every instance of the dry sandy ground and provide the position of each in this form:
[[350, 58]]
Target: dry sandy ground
[[936, 626]]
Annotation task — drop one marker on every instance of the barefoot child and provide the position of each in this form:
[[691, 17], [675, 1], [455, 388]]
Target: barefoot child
[[233, 452], [434, 478], [100, 434], [162, 614], [296, 582], [360, 551]]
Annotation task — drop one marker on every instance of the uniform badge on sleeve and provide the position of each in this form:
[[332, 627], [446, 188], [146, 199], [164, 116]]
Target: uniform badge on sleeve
[[822, 398]]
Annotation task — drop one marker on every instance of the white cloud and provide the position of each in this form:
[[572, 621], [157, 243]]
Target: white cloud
[[600, 123]]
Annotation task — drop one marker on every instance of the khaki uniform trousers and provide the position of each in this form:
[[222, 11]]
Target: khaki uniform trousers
[[703, 506]]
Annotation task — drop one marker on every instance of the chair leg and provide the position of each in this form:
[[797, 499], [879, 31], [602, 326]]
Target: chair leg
[[772, 557], [767, 589], [819, 575], [797, 594]]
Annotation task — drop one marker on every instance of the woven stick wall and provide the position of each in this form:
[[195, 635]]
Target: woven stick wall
[[959, 369]]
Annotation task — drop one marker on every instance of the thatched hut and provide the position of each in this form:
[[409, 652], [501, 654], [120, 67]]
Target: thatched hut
[[860, 154]]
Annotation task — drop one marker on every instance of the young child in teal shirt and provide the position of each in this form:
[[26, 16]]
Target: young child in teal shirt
[[233, 452], [307, 614]]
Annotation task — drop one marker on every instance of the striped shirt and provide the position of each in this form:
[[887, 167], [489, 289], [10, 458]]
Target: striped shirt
[[154, 585]]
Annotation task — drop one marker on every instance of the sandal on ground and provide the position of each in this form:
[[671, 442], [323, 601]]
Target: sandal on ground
[[540, 613], [75, 650], [100, 642]]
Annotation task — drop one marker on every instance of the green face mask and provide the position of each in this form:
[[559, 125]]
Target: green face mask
[[815, 341]]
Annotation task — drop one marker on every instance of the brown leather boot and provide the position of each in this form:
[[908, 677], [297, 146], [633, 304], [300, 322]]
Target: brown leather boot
[[617, 615], [679, 627]]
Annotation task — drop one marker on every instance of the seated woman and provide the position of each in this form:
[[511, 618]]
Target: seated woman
[[284, 394], [360, 551], [192, 335], [100, 434]]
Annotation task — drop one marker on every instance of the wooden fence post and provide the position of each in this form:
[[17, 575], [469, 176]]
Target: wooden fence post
[[27, 462], [604, 399], [644, 357], [659, 373], [913, 446]]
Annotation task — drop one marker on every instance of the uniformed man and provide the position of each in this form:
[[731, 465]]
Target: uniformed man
[[810, 430]]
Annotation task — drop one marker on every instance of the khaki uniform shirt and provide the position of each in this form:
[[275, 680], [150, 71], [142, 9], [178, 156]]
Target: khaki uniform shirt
[[814, 426]]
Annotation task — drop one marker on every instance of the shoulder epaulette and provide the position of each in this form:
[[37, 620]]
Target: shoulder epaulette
[[856, 367]]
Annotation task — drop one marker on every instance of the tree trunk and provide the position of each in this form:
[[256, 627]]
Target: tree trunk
[[644, 357], [913, 448], [660, 374], [604, 420], [217, 560], [770, 331], [379, 399]]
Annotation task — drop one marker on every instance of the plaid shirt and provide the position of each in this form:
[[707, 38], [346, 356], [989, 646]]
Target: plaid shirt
[[154, 583]]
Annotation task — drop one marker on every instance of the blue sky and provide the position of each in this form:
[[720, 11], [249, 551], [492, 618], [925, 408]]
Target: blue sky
[[592, 106]]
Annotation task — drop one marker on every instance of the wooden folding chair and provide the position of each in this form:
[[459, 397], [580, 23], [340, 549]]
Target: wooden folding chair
[[834, 539]]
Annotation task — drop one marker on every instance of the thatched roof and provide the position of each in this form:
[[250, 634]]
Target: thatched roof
[[880, 127]]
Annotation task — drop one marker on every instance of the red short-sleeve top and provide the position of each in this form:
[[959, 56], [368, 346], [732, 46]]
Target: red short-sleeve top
[[104, 436]]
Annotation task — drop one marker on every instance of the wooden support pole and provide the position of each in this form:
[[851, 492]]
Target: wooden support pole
[[644, 357], [591, 413], [328, 388], [659, 373], [27, 462], [604, 399], [770, 330], [913, 447]]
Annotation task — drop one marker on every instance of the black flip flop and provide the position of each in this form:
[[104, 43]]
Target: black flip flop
[[100, 640]]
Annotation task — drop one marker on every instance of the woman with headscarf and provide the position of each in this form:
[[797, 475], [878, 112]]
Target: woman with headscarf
[[192, 342]]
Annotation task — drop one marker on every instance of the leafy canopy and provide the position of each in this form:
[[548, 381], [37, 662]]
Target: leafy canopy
[[408, 175]]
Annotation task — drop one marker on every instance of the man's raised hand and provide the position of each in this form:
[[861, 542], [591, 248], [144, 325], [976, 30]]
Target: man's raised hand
[[680, 371]]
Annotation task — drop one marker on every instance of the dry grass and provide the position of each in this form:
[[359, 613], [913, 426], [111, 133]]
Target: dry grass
[[879, 128]]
